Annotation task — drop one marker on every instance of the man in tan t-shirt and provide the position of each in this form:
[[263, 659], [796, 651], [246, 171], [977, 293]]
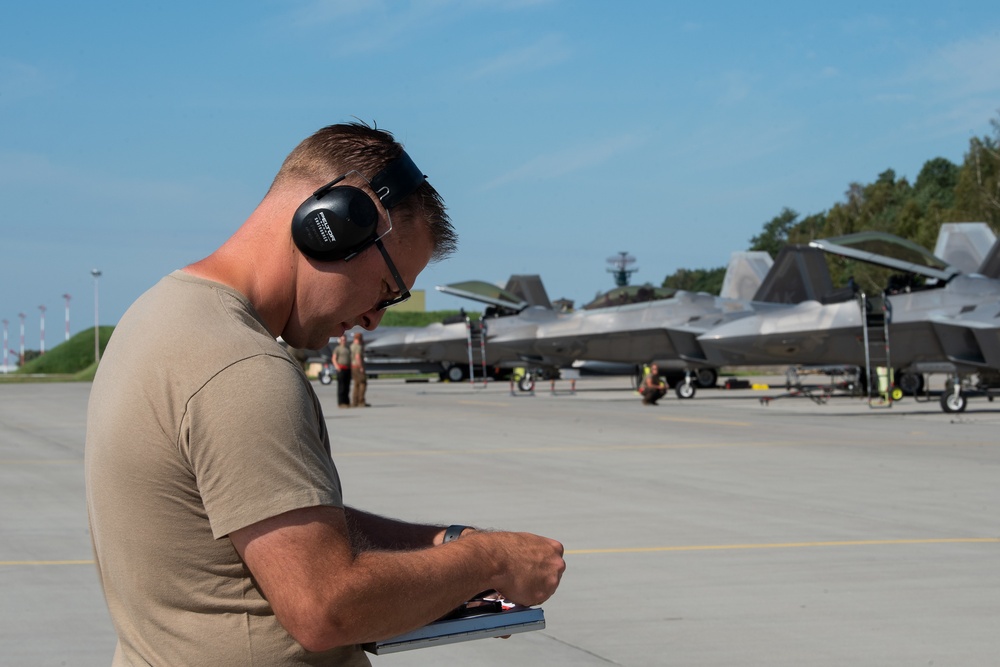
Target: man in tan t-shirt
[[218, 521], [359, 375], [342, 362]]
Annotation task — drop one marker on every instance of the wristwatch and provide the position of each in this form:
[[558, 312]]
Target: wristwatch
[[453, 532]]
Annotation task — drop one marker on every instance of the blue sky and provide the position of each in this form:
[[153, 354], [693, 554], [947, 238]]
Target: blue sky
[[135, 137]]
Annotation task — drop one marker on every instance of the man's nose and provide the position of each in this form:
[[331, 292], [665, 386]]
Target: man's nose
[[371, 319]]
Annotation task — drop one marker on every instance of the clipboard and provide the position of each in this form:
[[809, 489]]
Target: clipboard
[[465, 628]]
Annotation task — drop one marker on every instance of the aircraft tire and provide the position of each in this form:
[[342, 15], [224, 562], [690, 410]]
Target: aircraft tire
[[526, 382], [455, 373], [911, 383], [685, 390], [325, 378], [952, 403], [706, 377]]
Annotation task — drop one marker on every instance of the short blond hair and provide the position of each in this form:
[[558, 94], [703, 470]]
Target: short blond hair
[[337, 149]]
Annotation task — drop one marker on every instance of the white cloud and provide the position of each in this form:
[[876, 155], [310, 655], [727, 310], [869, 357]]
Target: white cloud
[[30, 170], [507, 5], [960, 81], [554, 165], [545, 52], [967, 67], [895, 98], [103, 201], [314, 12], [867, 24], [348, 27], [20, 80], [354, 27], [736, 86]]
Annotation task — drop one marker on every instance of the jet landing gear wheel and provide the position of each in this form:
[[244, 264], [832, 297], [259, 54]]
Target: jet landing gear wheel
[[706, 377], [454, 373], [911, 383], [953, 402], [685, 390]]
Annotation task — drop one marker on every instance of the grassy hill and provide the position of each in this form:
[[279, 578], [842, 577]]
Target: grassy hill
[[418, 319], [74, 358]]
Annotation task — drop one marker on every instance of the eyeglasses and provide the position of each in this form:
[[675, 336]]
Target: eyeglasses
[[364, 183], [404, 293]]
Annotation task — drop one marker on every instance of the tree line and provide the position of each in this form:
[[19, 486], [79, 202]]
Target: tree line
[[942, 192]]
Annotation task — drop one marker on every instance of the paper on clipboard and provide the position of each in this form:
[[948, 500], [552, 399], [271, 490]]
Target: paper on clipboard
[[452, 630]]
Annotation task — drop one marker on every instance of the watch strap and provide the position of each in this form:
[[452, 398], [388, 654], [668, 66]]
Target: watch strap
[[453, 532]]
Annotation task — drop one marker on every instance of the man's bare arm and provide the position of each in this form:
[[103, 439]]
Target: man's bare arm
[[326, 594], [371, 531]]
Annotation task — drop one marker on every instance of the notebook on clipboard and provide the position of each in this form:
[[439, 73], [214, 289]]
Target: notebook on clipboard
[[465, 627]]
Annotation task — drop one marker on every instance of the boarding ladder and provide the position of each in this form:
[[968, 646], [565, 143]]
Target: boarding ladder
[[476, 340], [876, 314]]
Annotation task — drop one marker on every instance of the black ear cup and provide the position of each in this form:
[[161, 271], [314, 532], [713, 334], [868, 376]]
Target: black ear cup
[[335, 224], [339, 221]]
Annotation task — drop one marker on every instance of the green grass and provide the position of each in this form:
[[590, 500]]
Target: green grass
[[418, 319], [72, 360]]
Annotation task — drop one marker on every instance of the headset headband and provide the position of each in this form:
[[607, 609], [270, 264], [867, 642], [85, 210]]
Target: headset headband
[[397, 180]]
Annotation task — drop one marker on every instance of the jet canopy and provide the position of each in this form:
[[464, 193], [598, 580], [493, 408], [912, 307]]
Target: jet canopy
[[893, 252], [484, 292], [621, 296]]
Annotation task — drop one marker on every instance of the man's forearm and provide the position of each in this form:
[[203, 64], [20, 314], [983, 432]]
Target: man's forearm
[[371, 531], [325, 596]]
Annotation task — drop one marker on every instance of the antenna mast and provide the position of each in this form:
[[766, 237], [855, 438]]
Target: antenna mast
[[619, 267]]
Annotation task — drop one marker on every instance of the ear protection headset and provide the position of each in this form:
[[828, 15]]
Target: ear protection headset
[[339, 221]]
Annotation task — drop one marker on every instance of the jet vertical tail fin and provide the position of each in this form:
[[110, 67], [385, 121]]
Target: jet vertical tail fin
[[991, 264], [529, 288], [745, 274], [799, 274], [965, 245]]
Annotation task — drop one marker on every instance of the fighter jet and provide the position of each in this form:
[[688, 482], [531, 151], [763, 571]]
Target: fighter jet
[[626, 326], [929, 316]]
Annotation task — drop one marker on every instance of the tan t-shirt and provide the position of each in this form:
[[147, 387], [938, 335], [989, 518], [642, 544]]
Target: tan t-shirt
[[342, 356], [358, 355], [199, 424]]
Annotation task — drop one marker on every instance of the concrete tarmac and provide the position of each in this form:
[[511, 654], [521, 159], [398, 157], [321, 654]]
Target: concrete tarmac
[[715, 531]]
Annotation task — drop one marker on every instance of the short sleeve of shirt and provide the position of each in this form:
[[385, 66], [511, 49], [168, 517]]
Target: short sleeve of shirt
[[256, 442]]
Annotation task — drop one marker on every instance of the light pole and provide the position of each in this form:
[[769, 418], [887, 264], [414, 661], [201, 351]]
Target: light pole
[[6, 350], [97, 336], [42, 330], [66, 296], [21, 316]]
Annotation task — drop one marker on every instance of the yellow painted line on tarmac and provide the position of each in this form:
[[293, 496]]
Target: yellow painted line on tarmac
[[492, 404], [788, 545], [562, 449], [557, 449], [695, 420], [635, 550], [46, 562]]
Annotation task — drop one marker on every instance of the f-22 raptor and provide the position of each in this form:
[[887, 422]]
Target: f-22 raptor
[[627, 326], [929, 316]]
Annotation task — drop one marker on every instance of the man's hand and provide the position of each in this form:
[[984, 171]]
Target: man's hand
[[326, 593], [530, 566]]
